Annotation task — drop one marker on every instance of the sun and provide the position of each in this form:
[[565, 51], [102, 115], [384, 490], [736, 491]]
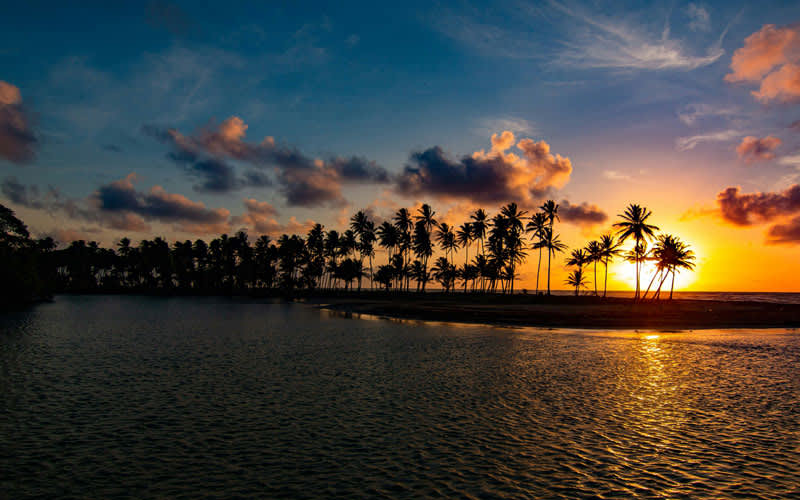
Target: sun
[[625, 272]]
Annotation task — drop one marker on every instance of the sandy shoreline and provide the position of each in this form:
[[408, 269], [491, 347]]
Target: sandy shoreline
[[570, 312]]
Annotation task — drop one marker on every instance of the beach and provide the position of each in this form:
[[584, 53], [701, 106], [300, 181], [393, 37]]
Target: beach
[[567, 312]]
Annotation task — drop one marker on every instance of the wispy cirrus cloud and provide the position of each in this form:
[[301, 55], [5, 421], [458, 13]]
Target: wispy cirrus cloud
[[690, 142], [597, 41], [691, 114]]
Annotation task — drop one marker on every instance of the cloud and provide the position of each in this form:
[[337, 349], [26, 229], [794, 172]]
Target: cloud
[[497, 176], [583, 214], [699, 18], [601, 42], [690, 142], [131, 208], [786, 233], [770, 57], [792, 161], [260, 218], [516, 125], [305, 181], [748, 209], [692, 113], [757, 149], [795, 125], [615, 175], [17, 140]]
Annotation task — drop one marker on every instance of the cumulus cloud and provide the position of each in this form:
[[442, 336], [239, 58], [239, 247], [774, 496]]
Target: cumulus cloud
[[583, 214], [770, 57], [17, 140], [499, 175], [304, 180], [745, 209], [690, 142], [758, 148], [131, 208]]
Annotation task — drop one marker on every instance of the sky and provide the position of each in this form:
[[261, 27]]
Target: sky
[[163, 118]]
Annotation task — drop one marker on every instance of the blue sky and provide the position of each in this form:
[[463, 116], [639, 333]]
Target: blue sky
[[633, 94]]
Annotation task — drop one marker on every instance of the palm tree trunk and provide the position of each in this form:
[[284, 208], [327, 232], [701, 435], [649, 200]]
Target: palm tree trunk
[[605, 281], [651, 284], [595, 278], [548, 271], [672, 285], [538, 267]]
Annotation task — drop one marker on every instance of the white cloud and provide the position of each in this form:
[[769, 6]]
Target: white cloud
[[600, 42], [688, 143], [792, 161], [616, 175], [691, 113], [699, 18], [518, 126]]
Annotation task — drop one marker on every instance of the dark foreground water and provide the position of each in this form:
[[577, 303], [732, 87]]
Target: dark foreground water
[[105, 397]]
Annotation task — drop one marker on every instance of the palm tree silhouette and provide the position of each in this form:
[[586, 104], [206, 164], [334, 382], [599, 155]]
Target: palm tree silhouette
[[577, 279], [537, 225], [634, 223], [423, 248], [553, 245], [609, 250], [447, 239], [464, 237], [595, 252]]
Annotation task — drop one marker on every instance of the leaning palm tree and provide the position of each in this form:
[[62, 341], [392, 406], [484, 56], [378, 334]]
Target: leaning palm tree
[[553, 245], [537, 225], [577, 279], [610, 249], [672, 254], [595, 251], [634, 223]]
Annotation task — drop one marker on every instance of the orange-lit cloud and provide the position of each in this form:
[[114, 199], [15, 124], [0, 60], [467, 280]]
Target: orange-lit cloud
[[744, 209], [17, 139], [758, 149], [786, 233], [260, 218], [770, 57], [496, 176]]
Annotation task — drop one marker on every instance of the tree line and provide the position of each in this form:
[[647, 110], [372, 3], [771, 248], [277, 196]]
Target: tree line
[[346, 260]]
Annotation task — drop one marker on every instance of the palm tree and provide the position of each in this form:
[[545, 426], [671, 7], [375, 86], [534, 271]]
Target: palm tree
[[577, 279], [578, 258], [447, 239], [550, 209], [515, 245], [671, 254], [423, 247], [553, 245], [388, 237], [610, 249], [634, 223], [444, 272], [537, 225], [404, 224], [595, 251], [464, 237]]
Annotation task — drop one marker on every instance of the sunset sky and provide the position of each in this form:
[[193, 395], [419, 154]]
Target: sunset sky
[[185, 122]]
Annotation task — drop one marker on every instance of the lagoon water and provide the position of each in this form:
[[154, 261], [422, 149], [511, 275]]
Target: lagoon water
[[137, 397]]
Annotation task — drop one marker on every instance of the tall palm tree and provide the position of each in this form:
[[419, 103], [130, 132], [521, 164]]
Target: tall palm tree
[[388, 237], [553, 245], [610, 249], [671, 255], [537, 225], [634, 223], [447, 240], [423, 248], [404, 223], [550, 209], [595, 251], [464, 237]]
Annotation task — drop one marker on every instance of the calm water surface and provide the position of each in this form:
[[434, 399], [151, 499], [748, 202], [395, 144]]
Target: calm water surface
[[107, 397]]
